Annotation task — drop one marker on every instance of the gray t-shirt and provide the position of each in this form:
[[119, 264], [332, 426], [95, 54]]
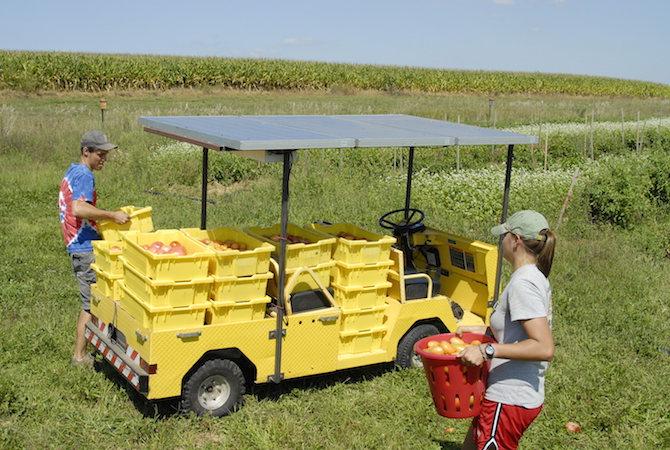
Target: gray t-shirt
[[526, 296]]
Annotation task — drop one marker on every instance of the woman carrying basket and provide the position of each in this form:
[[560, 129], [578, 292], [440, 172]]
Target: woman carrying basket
[[521, 325]]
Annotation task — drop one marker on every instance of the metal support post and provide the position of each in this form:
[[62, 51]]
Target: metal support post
[[281, 282], [503, 218], [203, 207], [408, 192]]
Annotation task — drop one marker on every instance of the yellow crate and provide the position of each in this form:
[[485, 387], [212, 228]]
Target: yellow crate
[[103, 307], [107, 256], [229, 312], [362, 318], [163, 317], [237, 289], [170, 267], [304, 281], [234, 263], [361, 341], [298, 255], [140, 220], [361, 274], [106, 283], [352, 297], [372, 248], [166, 293]]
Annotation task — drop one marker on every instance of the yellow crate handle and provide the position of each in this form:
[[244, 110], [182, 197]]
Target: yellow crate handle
[[290, 284], [421, 275]]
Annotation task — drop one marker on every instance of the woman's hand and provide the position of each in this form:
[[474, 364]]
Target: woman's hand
[[472, 355], [471, 329]]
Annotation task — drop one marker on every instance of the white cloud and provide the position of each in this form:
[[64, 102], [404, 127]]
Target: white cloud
[[297, 41], [503, 2]]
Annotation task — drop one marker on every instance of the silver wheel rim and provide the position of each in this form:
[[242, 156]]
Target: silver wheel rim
[[213, 392], [415, 361]]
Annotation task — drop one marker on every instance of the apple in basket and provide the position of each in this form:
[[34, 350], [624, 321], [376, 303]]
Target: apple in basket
[[451, 347]]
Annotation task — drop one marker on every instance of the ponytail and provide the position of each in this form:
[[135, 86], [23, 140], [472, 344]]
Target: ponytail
[[543, 249]]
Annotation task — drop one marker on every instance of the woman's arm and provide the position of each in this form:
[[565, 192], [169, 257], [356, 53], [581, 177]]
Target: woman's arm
[[538, 347]]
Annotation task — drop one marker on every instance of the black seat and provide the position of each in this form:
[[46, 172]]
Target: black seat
[[418, 287], [310, 300]]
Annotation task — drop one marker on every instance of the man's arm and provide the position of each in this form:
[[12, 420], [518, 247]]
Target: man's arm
[[85, 210]]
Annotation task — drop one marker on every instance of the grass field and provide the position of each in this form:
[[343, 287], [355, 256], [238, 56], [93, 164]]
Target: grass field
[[611, 286]]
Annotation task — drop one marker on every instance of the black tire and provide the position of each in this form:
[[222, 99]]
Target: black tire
[[406, 357], [216, 388]]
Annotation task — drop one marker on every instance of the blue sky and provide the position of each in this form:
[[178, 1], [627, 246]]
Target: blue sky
[[625, 39]]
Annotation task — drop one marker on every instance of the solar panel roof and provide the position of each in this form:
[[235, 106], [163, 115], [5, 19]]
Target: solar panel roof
[[293, 132]]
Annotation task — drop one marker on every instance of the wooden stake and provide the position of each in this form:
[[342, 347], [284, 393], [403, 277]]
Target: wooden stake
[[593, 114], [546, 149], [458, 151], [567, 199], [586, 135], [539, 137], [623, 134], [637, 133]]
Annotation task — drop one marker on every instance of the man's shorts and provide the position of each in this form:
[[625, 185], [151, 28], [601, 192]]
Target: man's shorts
[[81, 264], [500, 426]]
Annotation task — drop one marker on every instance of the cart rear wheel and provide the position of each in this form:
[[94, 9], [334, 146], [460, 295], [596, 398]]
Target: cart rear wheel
[[216, 388], [406, 356]]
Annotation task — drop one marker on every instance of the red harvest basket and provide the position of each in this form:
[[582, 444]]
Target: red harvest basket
[[457, 390]]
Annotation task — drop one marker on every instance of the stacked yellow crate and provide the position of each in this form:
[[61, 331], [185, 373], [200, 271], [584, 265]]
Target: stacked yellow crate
[[360, 284], [108, 251], [108, 268], [240, 272], [139, 220], [169, 290], [305, 249]]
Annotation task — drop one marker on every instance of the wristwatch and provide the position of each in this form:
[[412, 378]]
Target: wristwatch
[[489, 351]]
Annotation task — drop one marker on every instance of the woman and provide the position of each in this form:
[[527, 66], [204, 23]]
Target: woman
[[521, 325]]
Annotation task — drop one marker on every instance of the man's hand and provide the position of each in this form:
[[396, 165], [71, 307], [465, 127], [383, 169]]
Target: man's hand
[[120, 217]]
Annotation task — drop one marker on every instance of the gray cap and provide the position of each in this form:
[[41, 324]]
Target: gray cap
[[526, 224], [97, 140]]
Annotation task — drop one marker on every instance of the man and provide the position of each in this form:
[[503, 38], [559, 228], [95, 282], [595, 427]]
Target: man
[[78, 213]]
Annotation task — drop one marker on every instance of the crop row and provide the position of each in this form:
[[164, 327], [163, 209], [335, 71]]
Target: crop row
[[39, 71]]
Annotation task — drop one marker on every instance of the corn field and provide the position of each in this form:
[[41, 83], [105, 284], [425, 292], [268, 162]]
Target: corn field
[[53, 71]]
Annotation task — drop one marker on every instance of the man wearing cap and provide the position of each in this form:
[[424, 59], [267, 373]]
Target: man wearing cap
[[78, 215]]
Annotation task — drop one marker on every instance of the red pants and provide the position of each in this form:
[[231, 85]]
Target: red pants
[[500, 426]]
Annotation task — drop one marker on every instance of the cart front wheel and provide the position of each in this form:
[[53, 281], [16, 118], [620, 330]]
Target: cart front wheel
[[406, 357], [216, 388]]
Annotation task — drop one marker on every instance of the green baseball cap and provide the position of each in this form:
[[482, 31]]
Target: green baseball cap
[[97, 140], [526, 224]]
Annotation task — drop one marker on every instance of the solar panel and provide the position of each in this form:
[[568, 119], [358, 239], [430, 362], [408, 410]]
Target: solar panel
[[293, 132]]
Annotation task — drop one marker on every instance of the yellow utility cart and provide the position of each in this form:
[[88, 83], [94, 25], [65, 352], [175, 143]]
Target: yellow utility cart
[[290, 301]]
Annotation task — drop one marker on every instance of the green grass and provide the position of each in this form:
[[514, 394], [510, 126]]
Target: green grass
[[611, 297], [39, 71]]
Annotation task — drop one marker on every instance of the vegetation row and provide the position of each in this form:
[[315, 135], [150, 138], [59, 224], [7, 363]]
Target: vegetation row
[[40, 71]]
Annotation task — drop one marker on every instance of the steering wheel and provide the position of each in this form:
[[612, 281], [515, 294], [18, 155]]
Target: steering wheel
[[403, 225]]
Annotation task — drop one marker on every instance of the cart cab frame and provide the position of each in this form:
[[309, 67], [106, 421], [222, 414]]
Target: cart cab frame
[[456, 134]]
